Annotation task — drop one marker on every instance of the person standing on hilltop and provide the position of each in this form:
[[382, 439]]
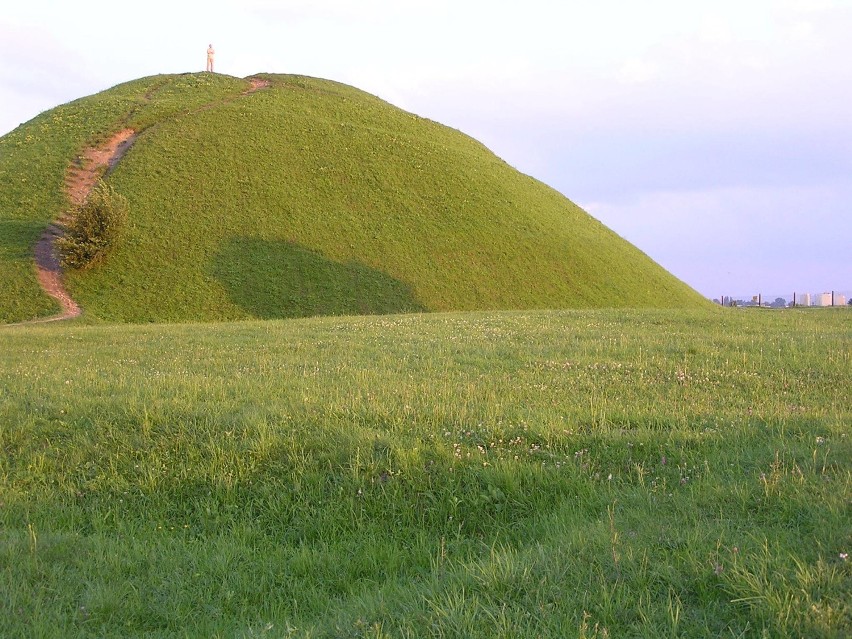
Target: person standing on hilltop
[[210, 54]]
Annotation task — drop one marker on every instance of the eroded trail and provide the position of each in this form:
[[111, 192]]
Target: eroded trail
[[256, 83], [83, 173], [80, 179]]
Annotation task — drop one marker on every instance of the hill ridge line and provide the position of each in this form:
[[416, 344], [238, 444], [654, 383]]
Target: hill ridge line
[[80, 178]]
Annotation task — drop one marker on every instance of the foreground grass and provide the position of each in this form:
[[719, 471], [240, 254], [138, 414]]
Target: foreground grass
[[474, 475]]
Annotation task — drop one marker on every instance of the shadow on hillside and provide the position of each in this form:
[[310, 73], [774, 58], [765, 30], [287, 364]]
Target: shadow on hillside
[[274, 279], [17, 237]]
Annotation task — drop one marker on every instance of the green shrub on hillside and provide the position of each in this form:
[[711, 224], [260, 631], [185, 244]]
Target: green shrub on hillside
[[94, 229]]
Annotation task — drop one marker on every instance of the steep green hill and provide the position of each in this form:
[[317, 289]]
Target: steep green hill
[[306, 198]]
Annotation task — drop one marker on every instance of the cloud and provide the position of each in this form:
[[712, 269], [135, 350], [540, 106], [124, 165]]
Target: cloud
[[637, 71], [345, 10], [37, 73], [33, 60]]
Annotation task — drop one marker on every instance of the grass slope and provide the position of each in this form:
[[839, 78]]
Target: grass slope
[[35, 156], [539, 474], [314, 198]]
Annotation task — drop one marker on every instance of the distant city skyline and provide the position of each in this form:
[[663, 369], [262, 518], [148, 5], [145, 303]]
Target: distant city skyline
[[715, 136], [771, 295], [825, 299]]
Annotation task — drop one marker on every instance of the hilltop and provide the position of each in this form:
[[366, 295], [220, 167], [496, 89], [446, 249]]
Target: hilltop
[[307, 197]]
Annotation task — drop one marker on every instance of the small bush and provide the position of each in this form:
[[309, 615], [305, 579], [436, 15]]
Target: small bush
[[94, 229]]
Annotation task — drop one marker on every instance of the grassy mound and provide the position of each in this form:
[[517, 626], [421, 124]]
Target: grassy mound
[[633, 473], [307, 198]]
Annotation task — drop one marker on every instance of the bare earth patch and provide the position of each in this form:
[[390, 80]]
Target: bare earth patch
[[256, 83], [83, 173]]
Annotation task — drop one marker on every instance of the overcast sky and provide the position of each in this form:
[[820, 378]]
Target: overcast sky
[[714, 135]]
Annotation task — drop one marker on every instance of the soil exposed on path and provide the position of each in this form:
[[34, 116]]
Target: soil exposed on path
[[80, 178], [84, 172], [256, 83]]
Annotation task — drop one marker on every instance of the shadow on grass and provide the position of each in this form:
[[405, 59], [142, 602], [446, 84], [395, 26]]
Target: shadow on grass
[[273, 279], [18, 237]]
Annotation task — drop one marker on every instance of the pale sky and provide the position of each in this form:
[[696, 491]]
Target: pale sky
[[714, 135]]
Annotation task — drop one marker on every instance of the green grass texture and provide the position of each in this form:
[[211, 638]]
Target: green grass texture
[[594, 473], [35, 156], [306, 198]]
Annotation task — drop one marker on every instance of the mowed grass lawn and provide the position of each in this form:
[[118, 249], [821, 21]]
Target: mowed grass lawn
[[535, 474]]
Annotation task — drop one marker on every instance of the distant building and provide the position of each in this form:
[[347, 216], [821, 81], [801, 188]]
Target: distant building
[[822, 299], [839, 300], [804, 300]]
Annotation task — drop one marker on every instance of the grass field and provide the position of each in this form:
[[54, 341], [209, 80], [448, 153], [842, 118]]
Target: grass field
[[518, 474]]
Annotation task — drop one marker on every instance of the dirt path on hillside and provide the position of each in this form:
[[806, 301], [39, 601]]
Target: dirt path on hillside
[[80, 178], [256, 83], [93, 163]]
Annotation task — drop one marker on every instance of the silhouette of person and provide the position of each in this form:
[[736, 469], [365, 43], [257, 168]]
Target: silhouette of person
[[210, 54]]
